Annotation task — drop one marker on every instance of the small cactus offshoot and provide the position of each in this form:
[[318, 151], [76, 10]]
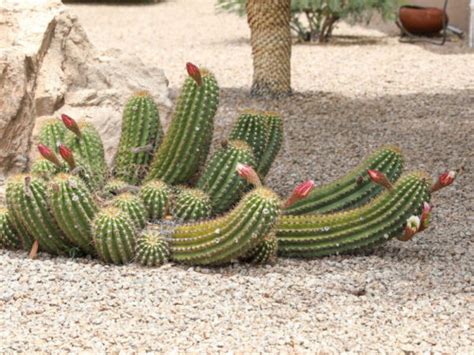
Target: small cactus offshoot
[[151, 250]]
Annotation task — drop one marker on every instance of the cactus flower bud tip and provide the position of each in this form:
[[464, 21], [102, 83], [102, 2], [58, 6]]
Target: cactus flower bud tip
[[71, 124], [194, 72], [248, 173], [379, 178]]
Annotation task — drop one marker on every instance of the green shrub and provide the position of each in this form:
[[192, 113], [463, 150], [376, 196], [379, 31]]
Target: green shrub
[[315, 19]]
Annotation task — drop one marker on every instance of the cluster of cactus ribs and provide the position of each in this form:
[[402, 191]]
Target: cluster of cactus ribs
[[165, 199]]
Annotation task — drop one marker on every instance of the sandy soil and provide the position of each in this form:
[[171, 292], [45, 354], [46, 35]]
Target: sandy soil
[[349, 98]]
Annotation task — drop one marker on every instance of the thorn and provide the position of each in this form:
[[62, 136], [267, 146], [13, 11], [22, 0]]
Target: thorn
[[34, 250]]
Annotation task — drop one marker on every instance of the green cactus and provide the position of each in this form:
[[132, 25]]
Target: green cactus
[[51, 133], [155, 196], [187, 142], [274, 128], [220, 180], [191, 205], [355, 188], [74, 209], [132, 205], [228, 237], [151, 250], [114, 236], [114, 187], [9, 238], [89, 152], [365, 227], [265, 252], [27, 201], [251, 127], [140, 137], [44, 169]]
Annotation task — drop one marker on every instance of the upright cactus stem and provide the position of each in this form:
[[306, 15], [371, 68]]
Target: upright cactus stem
[[155, 196], [133, 206], [187, 142], [251, 128], [114, 236], [385, 217], [353, 189], [274, 128], [52, 133], [219, 179], [74, 209], [9, 238], [228, 237], [191, 205], [141, 135]]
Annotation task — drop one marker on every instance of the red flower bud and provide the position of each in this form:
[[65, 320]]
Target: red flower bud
[[380, 178], [249, 174], [71, 125], [445, 179], [300, 192], [194, 73], [48, 154], [66, 154], [425, 216]]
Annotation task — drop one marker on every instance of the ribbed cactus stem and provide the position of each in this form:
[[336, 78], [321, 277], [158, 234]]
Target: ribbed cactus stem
[[44, 169], [265, 252], [151, 250], [140, 137], [74, 209], [115, 187], [353, 189], [114, 236], [9, 238], [27, 199], [274, 132], [155, 196], [385, 217], [133, 206], [251, 127], [229, 237], [191, 205], [220, 180], [187, 142], [52, 133]]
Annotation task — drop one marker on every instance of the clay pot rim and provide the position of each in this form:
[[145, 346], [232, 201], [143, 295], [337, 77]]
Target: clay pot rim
[[421, 8]]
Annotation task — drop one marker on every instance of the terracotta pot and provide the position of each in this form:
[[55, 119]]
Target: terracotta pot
[[422, 20]]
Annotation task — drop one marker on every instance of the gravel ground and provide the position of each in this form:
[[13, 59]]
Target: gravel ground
[[351, 98]]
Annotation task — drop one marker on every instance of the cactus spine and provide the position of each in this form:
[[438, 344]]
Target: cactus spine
[[155, 196], [220, 180], [114, 236], [151, 250], [27, 200], [74, 209], [385, 217], [141, 135], [191, 205], [228, 237], [186, 145], [9, 238], [274, 128], [52, 133], [133, 206], [355, 188]]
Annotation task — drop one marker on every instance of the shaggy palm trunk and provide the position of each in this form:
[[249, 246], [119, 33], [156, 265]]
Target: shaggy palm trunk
[[269, 22]]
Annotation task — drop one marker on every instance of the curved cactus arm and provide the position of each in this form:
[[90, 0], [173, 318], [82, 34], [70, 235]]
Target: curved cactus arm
[[228, 237], [52, 133], [385, 217], [133, 206], [141, 135], [9, 238], [74, 209], [151, 250], [114, 236], [191, 205], [274, 128], [187, 142], [353, 189], [27, 199], [220, 179], [155, 196]]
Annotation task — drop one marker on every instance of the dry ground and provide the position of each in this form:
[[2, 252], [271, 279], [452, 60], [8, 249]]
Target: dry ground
[[349, 99]]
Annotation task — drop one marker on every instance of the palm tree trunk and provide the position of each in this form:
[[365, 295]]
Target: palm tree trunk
[[270, 37]]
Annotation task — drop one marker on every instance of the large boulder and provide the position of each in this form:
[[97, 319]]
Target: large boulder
[[48, 66]]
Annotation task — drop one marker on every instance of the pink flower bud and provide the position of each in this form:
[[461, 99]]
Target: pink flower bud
[[66, 154], [71, 125], [380, 178], [48, 154], [300, 192], [412, 226], [425, 216], [445, 179], [249, 174], [194, 73]]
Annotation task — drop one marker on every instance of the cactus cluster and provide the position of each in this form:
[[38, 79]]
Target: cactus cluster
[[161, 201]]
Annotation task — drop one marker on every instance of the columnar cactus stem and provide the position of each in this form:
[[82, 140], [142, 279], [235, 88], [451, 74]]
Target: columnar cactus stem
[[141, 127], [251, 128], [228, 237], [353, 189], [191, 205], [27, 200], [318, 235], [52, 133], [155, 196], [44, 169], [114, 236], [74, 209], [9, 238], [133, 206], [186, 145], [219, 179], [151, 250], [274, 128]]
